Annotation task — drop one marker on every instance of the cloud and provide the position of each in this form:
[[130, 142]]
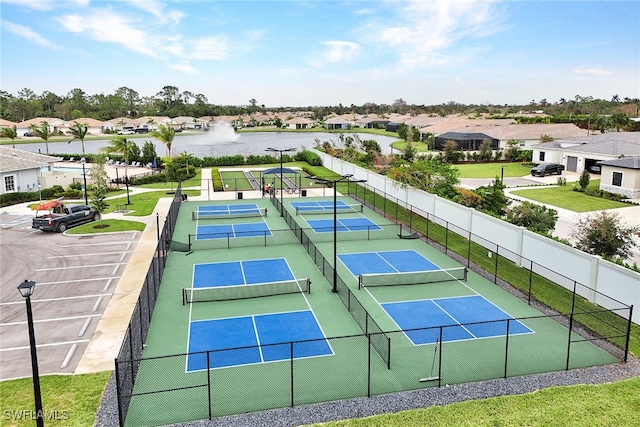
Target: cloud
[[422, 31], [29, 34], [42, 5], [185, 68], [336, 51], [592, 71], [156, 9], [210, 48]]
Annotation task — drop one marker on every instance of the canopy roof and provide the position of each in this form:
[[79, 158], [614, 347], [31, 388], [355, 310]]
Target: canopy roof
[[277, 170]]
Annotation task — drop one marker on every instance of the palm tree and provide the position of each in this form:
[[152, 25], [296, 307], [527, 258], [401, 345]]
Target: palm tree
[[165, 133], [42, 132], [11, 132], [79, 131], [121, 145]]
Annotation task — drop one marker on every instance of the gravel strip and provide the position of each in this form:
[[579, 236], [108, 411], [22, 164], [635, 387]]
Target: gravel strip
[[362, 407]]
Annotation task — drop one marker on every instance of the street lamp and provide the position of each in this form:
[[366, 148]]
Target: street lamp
[[281, 174], [334, 182], [84, 177], [117, 180], [26, 289]]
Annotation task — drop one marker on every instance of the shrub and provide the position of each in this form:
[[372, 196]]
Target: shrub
[[149, 179]]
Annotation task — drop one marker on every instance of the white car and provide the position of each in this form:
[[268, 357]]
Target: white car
[[126, 132]]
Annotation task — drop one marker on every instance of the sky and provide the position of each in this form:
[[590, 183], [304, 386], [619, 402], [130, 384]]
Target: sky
[[325, 52]]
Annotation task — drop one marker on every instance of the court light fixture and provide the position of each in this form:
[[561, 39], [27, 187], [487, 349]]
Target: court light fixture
[[334, 183], [277, 150]]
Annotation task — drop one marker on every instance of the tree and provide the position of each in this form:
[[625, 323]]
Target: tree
[[602, 233], [11, 132], [512, 152], [494, 201], [120, 145], [148, 152], [409, 152], [79, 131], [100, 186], [485, 153], [42, 132], [403, 131], [165, 133], [451, 152], [584, 179], [534, 217], [430, 175]]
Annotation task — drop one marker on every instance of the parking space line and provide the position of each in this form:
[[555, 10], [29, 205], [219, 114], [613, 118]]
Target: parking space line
[[95, 244], [97, 304], [115, 269], [95, 254], [95, 279], [53, 344], [57, 299], [84, 327], [79, 266], [51, 320], [66, 360], [107, 285]]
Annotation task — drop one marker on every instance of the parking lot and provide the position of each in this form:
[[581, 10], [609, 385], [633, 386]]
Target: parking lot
[[75, 278]]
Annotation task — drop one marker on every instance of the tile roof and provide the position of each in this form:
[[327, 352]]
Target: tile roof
[[625, 162]]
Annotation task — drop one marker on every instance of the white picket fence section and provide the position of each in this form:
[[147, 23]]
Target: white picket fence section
[[597, 275]]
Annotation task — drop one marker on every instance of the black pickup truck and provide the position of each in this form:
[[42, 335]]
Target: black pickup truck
[[544, 169], [65, 217]]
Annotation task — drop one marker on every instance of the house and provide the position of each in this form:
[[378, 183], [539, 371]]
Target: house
[[338, 122], [298, 123], [585, 152], [20, 171], [621, 176], [94, 126], [467, 141]]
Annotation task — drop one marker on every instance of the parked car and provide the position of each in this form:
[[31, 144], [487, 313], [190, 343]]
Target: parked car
[[29, 134], [544, 169], [126, 132], [64, 217]]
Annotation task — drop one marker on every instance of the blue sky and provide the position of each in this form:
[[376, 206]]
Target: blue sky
[[290, 53]]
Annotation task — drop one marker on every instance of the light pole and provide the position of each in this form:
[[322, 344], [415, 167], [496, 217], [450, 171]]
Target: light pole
[[334, 182], [117, 180], [84, 177], [276, 150], [26, 289]]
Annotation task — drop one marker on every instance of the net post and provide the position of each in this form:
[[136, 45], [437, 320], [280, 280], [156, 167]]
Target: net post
[[189, 242], [184, 296], [360, 285], [309, 285], [466, 272]]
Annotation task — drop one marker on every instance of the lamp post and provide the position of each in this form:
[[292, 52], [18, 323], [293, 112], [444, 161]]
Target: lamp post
[[276, 150], [26, 289], [502, 176], [334, 182], [117, 180], [84, 177]]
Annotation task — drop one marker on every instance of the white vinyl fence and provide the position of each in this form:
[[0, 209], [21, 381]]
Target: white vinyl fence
[[597, 276]]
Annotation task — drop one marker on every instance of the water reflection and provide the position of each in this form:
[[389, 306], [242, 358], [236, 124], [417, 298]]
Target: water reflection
[[215, 143]]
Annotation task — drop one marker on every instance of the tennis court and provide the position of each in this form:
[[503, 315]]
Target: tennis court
[[247, 312]]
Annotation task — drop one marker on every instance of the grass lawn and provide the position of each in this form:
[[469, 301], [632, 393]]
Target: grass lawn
[[492, 170], [614, 404], [107, 226], [72, 399], [142, 204], [420, 146], [584, 405], [565, 197]]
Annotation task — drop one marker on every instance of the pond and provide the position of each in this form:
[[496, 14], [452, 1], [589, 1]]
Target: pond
[[216, 143]]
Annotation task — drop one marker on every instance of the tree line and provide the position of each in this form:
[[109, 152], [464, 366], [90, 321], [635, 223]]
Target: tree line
[[173, 102]]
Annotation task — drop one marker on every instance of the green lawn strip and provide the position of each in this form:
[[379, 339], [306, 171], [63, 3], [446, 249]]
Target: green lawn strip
[[107, 226], [565, 197], [583, 405], [492, 170], [602, 322], [143, 204], [75, 397]]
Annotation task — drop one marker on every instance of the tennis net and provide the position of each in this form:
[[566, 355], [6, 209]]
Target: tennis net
[[227, 293], [412, 277], [315, 210], [223, 214]]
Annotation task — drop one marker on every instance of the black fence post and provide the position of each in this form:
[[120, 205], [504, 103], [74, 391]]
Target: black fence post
[[495, 267], [440, 359], [209, 384], [291, 355], [119, 395], [469, 251], [573, 307], [626, 345], [506, 349]]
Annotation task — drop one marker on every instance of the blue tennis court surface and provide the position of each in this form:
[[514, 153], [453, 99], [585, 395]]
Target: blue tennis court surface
[[386, 262], [342, 224], [241, 272], [223, 210], [224, 231], [460, 315], [262, 337]]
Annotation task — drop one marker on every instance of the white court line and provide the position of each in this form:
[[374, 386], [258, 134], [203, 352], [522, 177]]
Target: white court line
[[72, 350], [79, 266], [51, 320], [96, 254], [53, 344], [57, 299], [95, 279]]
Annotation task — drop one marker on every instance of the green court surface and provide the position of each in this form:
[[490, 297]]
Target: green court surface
[[237, 180], [165, 392]]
